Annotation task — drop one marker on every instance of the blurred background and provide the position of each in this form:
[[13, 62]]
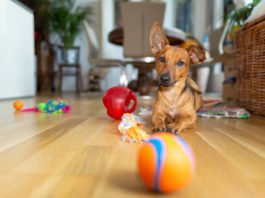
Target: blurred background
[[92, 45]]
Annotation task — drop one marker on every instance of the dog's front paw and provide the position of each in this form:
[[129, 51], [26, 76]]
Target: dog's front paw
[[157, 130], [173, 128], [170, 130]]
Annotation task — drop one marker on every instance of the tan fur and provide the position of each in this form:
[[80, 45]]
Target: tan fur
[[178, 100]]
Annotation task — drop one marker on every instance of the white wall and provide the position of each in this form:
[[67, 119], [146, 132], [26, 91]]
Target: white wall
[[199, 14], [218, 14], [69, 82], [103, 23], [109, 50], [17, 65], [170, 14]]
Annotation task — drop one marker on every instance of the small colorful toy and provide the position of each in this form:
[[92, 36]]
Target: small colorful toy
[[130, 129], [53, 106], [166, 163], [18, 105], [117, 101]]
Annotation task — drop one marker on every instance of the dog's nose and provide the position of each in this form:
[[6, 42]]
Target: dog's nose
[[165, 78]]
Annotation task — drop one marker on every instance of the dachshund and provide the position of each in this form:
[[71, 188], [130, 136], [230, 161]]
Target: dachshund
[[178, 98]]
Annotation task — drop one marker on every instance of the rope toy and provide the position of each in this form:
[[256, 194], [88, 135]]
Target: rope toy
[[53, 107], [130, 129]]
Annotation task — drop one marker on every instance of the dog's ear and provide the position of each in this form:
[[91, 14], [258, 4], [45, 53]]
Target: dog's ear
[[197, 55], [158, 40]]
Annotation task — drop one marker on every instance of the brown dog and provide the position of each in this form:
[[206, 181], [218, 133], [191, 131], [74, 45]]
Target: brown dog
[[179, 97]]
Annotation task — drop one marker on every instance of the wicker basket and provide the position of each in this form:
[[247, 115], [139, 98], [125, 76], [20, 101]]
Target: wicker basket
[[250, 66]]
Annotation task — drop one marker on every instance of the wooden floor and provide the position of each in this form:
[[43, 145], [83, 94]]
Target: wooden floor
[[81, 155]]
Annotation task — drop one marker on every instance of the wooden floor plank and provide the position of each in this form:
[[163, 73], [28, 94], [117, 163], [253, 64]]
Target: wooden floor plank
[[253, 140], [20, 185], [217, 176], [237, 154], [22, 151]]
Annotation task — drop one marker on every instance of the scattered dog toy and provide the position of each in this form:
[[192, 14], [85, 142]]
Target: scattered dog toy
[[130, 129], [166, 163], [18, 105], [117, 101], [53, 106]]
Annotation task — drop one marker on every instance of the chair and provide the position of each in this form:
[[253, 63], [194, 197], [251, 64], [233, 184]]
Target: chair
[[77, 73], [93, 57], [137, 20]]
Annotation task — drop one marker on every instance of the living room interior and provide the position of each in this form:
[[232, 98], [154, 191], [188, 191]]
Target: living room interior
[[74, 71]]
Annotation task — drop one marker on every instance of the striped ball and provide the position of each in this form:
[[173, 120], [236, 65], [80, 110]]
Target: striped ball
[[166, 163]]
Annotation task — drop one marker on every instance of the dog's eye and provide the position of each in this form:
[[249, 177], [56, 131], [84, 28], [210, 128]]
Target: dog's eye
[[162, 59], [180, 63]]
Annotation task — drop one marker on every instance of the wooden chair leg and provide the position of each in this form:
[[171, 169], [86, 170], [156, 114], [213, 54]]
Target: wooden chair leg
[[59, 78], [77, 79], [81, 80]]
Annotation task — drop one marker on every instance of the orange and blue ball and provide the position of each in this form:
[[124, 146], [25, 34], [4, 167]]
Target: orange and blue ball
[[166, 163]]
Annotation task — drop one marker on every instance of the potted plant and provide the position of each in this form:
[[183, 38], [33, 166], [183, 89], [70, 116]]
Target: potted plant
[[238, 16], [65, 20]]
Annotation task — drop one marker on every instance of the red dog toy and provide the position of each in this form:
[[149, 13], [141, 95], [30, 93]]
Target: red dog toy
[[117, 101]]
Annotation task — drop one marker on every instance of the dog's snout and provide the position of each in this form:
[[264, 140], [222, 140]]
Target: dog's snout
[[165, 78]]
